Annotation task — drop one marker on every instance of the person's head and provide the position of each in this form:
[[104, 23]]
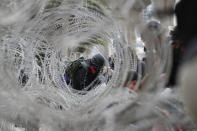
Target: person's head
[[98, 60], [131, 76]]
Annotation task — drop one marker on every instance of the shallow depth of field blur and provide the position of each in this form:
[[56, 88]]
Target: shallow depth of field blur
[[38, 39]]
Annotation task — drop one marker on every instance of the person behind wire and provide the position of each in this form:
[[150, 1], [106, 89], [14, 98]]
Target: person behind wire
[[83, 74]]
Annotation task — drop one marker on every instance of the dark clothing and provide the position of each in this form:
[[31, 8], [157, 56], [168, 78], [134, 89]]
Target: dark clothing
[[85, 72], [111, 63], [139, 73], [186, 27], [184, 32], [191, 50], [85, 76], [177, 57], [23, 78]]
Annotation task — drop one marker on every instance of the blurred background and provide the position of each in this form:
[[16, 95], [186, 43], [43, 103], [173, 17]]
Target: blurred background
[[98, 65]]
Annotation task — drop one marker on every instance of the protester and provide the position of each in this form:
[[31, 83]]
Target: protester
[[81, 74]]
